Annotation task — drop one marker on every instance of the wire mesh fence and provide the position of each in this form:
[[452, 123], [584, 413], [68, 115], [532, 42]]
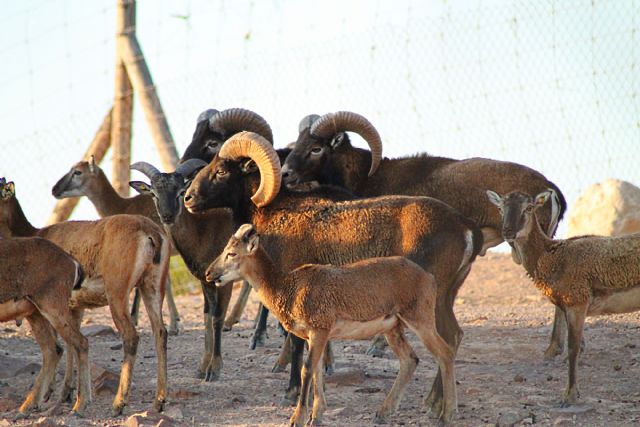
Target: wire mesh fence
[[550, 84]]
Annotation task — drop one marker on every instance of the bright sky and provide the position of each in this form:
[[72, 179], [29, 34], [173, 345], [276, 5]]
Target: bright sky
[[550, 84]]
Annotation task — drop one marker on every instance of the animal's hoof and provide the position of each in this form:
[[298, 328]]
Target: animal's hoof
[[551, 352], [277, 368], [200, 374], [378, 419], [211, 376], [158, 405], [315, 422], [174, 330], [375, 351], [257, 341], [21, 416], [289, 399], [226, 327], [55, 410], [117, 410], [78, 414], [328, 369]]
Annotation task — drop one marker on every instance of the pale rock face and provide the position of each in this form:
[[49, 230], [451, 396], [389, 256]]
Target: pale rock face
[[609, 208]]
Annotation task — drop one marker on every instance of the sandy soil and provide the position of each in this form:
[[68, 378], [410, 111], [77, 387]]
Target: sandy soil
[[500, 371]]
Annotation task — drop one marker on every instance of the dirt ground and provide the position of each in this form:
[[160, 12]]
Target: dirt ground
[[500, 372]]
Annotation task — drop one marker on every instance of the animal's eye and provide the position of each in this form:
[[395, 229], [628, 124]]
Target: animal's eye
[[529, 208], [77, 172], [231, 255], [213, 144], [316, 150], [221, 172], [181, 193]]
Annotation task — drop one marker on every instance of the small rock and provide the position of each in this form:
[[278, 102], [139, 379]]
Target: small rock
[[44, 422], [117, 346], [563, 421], [617, 367], [174, 412], [519, 378], [368, 390], [4, 422], [98, 330], [341, 412], [509, 419], [348, 378], [31, 368], [149, 419], [549, 377], [526, 421], [104, 380]]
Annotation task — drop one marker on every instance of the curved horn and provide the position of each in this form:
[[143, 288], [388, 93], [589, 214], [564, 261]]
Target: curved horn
[[146, 168], [234, 120], [207, 114], [344, 121], [307, 121], [258, 149], [187, 168]]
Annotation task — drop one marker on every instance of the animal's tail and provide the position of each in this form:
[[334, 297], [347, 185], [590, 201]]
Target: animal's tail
[[156, 241]]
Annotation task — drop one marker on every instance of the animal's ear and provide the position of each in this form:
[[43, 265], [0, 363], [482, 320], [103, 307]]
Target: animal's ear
[[140, 187], [248, 166], [541, 198], [92, 165], [494, 198], [338, 140]]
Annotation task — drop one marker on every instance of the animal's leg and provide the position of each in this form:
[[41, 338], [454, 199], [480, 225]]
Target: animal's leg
[[559, 331], [238, 308], [174, 316], [376, 349], [285, 356], [319, 402], [215, 366], [135, 307], [328, 359], [210, 296], [51, 353], [575, 321], [450, 331], [68, 383], [297, 351], [152, 297], [408, 362], [122, 320], [260, 332], [65, 324], [317, 341], [444, 355]]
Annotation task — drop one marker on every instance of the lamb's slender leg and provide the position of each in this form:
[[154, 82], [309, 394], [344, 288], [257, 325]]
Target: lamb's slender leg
[[153, 303], [556, 344], [449, 329], [210, 296], [222, 304], [297, 351], [575, 321], [51, 354], [285, 356], [64, 323], [319, 402], [238, 308], [408, 363], [174, 316], [68, 383], [260, 332], [317, 341], [444, 355], [120, 314]]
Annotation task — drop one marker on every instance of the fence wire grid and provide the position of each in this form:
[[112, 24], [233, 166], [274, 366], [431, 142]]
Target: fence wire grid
[[549, 84]]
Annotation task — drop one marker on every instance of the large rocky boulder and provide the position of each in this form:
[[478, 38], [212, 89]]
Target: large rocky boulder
[[609, 208]]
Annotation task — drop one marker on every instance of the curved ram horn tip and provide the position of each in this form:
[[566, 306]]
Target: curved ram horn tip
[[307, 121], [146, 168], [253, 146], [207, 114], [187, 168], [234, 120], [330, 124]]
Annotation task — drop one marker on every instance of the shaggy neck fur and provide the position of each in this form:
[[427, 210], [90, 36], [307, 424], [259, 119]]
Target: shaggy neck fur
[[531, 246]]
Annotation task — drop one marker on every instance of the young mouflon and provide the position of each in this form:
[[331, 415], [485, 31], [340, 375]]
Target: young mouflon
[[353, 301]]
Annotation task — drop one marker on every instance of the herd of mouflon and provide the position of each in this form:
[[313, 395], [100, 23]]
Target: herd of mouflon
[[338, 242]]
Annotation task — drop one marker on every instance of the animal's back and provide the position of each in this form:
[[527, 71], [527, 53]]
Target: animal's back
[[24, 259]]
